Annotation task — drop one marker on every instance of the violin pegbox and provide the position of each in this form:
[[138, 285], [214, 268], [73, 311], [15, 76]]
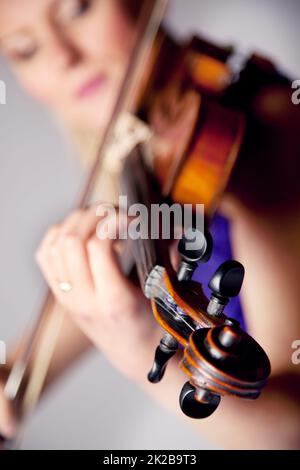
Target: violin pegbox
[[178, 304]]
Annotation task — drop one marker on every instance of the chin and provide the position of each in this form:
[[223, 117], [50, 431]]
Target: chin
[[96, 113]]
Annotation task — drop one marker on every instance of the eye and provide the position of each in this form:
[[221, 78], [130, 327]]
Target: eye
[[25, 55], [20, 49], [71, 9]]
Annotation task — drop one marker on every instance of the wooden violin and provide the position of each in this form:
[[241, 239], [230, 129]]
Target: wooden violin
[[181, 131], [192, 109]]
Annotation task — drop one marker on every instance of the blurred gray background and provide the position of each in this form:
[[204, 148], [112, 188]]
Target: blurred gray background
[[39, 181]]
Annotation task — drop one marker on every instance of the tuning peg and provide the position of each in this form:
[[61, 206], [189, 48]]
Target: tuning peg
[[225, 284], [164, 352], [194, 247], [198, 403]]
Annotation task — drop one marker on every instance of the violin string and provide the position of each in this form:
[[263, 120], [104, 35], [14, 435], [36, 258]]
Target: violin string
[[161, 304], [142, 263], [209, 321], [162, 290], [136, 251], [146, 254], [143, 255], [170, 307], [144, 247]]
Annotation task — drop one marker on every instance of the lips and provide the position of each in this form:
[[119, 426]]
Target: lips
[[91, 86]]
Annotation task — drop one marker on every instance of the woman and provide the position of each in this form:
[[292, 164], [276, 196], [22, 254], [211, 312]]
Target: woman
[[87, 44]]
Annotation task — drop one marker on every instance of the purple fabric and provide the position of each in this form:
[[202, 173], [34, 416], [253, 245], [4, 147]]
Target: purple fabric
[[220, 230]]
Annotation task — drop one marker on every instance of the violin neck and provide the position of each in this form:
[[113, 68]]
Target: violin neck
[[137, 186]]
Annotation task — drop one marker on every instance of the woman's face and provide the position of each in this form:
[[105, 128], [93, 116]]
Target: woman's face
[[69, 54]]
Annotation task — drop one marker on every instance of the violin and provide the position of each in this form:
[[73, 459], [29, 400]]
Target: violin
[[180, 133], [217, 356]]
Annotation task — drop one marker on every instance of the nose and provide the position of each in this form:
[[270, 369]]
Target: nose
[[62, 53]]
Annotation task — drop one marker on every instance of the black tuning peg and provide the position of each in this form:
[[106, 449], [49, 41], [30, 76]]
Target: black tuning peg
[[198, 403], [164, 352], [194, 247], [225, 284]]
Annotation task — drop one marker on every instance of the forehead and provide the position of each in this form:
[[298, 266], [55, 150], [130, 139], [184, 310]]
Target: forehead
[[19, 14]]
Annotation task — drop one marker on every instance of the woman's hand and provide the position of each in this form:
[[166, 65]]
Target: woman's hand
[[109, 309]]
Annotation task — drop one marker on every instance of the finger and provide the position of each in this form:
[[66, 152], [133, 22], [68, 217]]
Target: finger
[[49, 257], [76, 230], [81, 223], [48, 240], [103, 260], [104, 264], [77, 262], [57, 266]]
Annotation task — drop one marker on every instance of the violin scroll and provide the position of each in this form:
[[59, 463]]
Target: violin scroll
[[219, 361]]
